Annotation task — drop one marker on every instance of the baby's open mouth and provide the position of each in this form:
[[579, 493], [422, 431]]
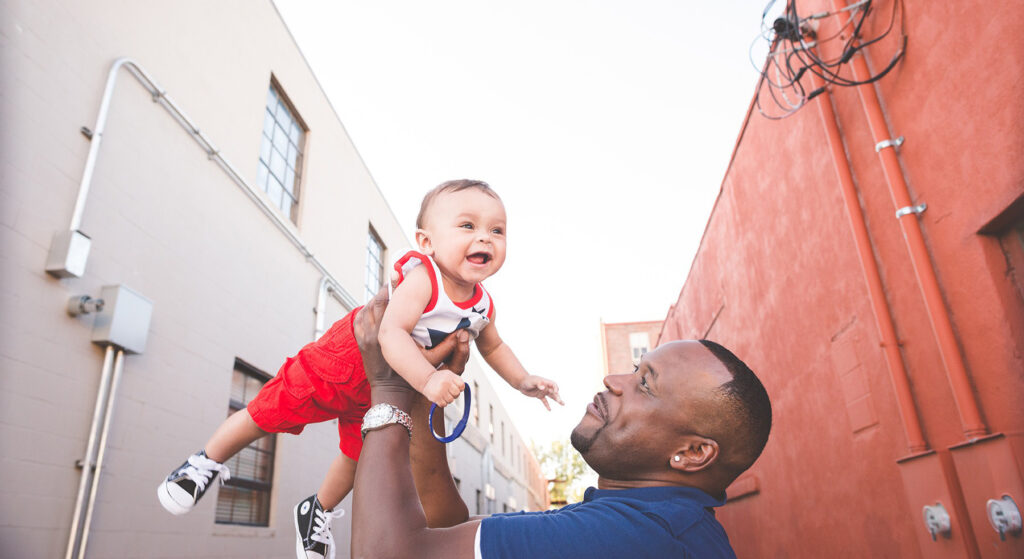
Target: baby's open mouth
[[479, 258]]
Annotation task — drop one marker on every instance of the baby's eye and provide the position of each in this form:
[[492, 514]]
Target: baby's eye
[[498, 231], [466, 226]]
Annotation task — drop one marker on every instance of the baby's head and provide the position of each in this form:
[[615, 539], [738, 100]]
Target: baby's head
[[461, 225]]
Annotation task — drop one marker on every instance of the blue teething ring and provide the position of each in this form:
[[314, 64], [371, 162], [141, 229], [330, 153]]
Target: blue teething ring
[[459, 427]]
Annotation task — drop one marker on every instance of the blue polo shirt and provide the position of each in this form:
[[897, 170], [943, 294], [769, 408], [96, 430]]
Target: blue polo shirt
[[656, 522]]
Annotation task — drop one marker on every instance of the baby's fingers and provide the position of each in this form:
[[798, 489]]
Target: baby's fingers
[[554, 395], [544, 401]]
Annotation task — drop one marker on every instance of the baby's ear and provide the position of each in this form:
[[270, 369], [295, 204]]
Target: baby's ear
[[423, 241]]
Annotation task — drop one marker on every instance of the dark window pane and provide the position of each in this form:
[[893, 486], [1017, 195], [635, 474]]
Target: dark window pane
[[245, 498]]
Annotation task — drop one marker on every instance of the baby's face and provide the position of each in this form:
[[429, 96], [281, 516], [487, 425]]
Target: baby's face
[[465, 234]]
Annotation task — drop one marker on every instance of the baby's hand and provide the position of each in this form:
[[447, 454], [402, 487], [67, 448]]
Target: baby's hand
[[540, 388], [443, 387]]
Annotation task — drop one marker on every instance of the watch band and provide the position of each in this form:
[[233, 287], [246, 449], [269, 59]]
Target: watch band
[[384, 414]]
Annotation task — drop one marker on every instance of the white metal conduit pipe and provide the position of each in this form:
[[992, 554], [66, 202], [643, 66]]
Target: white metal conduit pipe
[[160, 97], [92, 465]]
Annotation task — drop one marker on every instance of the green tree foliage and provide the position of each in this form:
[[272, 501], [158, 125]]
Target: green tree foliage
[[567, 474]]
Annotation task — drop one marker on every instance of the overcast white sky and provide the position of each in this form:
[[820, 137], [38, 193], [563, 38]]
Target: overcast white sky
[[605, 126]]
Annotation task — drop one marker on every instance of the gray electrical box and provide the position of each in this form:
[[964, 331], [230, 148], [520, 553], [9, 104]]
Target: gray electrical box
[[124, 320], [69, 252]]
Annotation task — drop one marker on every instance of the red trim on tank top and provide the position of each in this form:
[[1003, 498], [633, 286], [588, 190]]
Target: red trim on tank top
[[478, 293], [433, 277]]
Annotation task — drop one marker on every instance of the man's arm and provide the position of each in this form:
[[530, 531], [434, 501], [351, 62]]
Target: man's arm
[[388, 520], [439, 497]]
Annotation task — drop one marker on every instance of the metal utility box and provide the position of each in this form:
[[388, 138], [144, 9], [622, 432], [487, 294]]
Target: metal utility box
[[124, 320], [69, 252]]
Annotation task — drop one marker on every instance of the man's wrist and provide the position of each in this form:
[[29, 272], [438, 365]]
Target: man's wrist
[[400, 397]]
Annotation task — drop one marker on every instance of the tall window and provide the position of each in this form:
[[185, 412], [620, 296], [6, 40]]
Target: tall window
[[245, 498], [639, 343], [476, 404], [374, 264], [281, 152], [490, 424]]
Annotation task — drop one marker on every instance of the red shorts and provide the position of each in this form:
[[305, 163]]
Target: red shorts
[[325, 380]]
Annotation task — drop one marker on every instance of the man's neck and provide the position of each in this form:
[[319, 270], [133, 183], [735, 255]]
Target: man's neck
[[607, 483]]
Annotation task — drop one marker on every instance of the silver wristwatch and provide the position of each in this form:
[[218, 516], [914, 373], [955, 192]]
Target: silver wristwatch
[[385, 414]]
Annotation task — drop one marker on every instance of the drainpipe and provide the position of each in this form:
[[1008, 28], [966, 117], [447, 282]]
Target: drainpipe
[[328, 287], [938, 315], [869, 267]]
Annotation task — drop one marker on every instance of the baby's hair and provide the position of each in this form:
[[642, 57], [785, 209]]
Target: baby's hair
[[452, 186]]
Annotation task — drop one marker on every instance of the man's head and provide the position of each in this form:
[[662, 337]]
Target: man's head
[[691, 414], [461, 225]]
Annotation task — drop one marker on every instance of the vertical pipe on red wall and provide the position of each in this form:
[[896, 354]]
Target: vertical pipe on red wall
[[869, 267], [938, 315]]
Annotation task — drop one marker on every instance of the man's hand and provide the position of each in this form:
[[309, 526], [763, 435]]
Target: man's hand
[[453, 351], [540, 388]]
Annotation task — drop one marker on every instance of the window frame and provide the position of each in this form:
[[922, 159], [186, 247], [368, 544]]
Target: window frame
[[372, 237], [234, 405], [265, 169]]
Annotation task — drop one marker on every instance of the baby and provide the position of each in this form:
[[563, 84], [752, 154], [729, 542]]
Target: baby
[[461, 236]]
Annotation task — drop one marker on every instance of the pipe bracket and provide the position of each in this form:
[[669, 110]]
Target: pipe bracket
[[890, 143], [906, 210]]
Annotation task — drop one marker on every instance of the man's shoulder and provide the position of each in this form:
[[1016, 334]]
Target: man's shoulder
[[615, 524]]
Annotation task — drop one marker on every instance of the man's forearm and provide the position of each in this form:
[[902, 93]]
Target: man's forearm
[[387, 520], [442, 504]]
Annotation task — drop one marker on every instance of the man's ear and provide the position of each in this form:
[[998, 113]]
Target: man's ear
[[694, 454], [423, 241]]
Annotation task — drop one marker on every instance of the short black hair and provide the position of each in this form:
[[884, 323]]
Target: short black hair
[[747, 397]]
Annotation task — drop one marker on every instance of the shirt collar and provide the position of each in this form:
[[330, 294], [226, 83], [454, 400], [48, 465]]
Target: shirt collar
[[659, 493]]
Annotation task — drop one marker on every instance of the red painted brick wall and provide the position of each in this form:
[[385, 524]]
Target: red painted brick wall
[[777, 279]]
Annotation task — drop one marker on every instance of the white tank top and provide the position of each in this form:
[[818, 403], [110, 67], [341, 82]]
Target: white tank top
[[442, 316]]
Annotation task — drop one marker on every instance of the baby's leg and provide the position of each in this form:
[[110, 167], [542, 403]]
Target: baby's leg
[[314, 514], [338, 482], [233, 435], [183, 488]]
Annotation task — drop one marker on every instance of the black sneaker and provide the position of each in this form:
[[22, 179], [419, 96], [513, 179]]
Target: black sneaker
[[313, 539], [186, 485]]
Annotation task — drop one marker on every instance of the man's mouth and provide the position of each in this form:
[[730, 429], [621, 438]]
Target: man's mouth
[[598, 407], [479, 258]]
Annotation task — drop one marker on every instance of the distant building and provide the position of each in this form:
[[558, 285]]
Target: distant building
[[493, 467], [624, 343], [226, 193]]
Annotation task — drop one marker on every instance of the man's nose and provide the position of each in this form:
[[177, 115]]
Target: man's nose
[[614, 383]]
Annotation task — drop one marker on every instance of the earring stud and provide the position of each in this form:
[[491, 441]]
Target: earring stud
[[677, 458]]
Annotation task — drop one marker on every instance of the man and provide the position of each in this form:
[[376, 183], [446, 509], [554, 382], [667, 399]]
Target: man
[[665, 441]]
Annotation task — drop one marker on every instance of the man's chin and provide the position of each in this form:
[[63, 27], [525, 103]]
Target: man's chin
[[582, 440]]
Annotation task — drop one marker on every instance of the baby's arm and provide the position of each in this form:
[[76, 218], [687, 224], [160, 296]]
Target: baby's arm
[[401, 351], [500, 357]]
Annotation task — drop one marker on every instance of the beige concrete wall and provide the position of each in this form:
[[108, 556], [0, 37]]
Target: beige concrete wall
[[167, 222]]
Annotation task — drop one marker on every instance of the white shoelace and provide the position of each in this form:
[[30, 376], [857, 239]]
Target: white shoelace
[[200, 469], [322, 528]]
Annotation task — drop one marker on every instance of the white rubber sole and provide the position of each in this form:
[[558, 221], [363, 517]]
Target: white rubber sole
[[300, 553], [169, 504]]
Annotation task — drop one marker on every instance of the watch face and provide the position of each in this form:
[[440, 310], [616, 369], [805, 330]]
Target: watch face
[[379, 415]]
